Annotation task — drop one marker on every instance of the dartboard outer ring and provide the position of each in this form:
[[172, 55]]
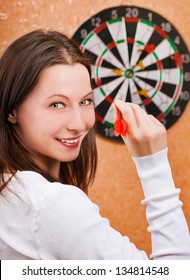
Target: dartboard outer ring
[[138, 56]]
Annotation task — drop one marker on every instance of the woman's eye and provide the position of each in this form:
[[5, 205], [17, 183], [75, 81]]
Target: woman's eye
[[57, 105], [86, 102]]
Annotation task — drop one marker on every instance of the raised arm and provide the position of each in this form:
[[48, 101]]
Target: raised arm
[[146, 140]]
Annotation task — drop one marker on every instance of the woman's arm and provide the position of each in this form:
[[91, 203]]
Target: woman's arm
[[167, 224], [147, 141]]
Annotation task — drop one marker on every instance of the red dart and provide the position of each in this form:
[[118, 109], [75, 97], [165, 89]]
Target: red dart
[[178, 59], [149, 48], [120, 126]]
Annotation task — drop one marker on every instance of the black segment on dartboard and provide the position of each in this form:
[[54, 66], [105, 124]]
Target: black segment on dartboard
[[106, 38], [131, 28], [104, 106]]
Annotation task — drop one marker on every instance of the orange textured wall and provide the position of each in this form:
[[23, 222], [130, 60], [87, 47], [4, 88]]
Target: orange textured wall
[[116, 189]]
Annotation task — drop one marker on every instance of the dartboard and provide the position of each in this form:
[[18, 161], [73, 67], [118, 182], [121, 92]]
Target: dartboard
[[138, 56]]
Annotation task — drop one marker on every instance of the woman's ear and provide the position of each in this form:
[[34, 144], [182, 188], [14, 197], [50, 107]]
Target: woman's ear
[[12, 117]]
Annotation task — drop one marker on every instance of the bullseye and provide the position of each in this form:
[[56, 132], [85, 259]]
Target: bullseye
[[129, 73]]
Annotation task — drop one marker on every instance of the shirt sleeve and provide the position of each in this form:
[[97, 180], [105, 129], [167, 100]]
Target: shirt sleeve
[[167, 224]]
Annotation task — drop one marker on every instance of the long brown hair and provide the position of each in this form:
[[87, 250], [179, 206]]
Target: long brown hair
[[20, 68]]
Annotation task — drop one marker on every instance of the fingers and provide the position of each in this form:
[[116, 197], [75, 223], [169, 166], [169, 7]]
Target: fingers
[[127, 114], [133, 115], [140, 115], [146, 135], [116, 112], [156, 121]]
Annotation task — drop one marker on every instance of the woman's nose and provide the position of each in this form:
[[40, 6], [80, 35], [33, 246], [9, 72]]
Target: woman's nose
[[76, 120]]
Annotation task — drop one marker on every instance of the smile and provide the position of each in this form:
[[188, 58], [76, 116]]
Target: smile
[[69, 142]]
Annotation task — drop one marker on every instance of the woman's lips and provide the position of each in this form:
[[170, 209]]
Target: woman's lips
[[69, 142]]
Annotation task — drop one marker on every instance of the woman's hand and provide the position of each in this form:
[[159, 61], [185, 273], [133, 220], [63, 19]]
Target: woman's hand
[[145, 135]]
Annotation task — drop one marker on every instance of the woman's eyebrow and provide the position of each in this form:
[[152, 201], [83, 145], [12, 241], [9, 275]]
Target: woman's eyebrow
[[58, 95], [67, 97], [90, 93]]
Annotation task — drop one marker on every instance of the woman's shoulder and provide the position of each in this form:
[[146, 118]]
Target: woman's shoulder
[[34, 188]]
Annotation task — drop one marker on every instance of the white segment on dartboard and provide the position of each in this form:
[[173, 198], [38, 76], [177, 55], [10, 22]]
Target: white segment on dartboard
[[143, 34], [143, 85], [103, 72], [109, 116], [162, 50], [162, 101], [107, 88], [170, 76], [97, 46], [135, 98], [159, 97], [118, 32], [123, 90], [122, 93]]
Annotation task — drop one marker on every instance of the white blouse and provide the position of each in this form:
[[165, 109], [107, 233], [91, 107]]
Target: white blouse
[[43, 220]]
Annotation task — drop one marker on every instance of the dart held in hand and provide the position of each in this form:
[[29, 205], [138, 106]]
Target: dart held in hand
[[120, 126]]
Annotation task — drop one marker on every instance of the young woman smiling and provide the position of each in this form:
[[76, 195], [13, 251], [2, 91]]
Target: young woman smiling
[[48, 158]]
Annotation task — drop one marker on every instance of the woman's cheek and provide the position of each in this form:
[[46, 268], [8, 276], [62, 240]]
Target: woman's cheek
[[91, 119]]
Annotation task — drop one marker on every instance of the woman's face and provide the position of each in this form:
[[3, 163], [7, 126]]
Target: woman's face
[[56, 116]]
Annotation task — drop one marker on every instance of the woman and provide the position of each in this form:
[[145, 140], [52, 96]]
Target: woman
[[48, 158]]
